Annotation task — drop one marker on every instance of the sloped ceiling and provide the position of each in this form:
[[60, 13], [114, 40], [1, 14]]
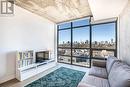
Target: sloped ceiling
[[57, 10], [104, 9]]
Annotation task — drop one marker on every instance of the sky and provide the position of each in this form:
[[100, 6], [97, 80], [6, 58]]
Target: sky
[[104, 32]]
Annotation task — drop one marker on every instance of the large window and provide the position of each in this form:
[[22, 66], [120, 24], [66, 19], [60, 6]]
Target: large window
[[64, 43], [103, 36], [80, 41], [73, 42], [80, 45], [103, 40], [81, 37], [65, 38]]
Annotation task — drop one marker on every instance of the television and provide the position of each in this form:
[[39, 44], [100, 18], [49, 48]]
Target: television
[[42, 56]]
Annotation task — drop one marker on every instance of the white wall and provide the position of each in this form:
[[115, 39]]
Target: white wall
[[105, 9], [124, 34], [23, 31]]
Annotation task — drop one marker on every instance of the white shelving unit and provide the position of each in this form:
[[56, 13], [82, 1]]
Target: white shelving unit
[[26, 66]]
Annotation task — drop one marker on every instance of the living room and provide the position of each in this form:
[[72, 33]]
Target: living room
[[60, 43]]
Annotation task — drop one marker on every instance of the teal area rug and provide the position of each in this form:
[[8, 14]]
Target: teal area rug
[[62, 77]]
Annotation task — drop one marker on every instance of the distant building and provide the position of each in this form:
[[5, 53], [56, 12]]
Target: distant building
[[112, 41]]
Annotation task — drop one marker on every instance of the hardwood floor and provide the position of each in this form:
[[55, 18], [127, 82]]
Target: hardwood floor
[[16, 83]]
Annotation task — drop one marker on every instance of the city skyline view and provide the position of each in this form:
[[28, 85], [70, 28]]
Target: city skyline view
[[100, 33]]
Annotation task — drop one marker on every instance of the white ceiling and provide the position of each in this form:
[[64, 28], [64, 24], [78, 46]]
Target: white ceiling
[[104, 9]]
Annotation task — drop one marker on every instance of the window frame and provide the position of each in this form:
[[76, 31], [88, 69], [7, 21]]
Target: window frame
[[115, 50], [90, 41]]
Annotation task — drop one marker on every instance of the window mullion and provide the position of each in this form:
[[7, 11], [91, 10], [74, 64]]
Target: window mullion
[[90, 43], [71, 41]]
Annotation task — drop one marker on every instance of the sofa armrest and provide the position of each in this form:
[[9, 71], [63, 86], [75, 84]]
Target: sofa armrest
[[101, 63]]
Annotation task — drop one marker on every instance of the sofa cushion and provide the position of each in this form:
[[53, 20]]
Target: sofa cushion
[[95, 81], [119, 75], [81, 84], [98, 71], [110, 62]]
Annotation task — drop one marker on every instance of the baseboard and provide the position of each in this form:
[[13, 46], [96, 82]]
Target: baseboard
[[7, 78]]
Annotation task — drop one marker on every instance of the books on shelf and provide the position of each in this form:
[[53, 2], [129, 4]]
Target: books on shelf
[[25, 58]]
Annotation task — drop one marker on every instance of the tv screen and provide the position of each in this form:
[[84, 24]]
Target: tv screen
[[42, 56]]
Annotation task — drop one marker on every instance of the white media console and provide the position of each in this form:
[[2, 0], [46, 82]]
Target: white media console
[[28, 67]]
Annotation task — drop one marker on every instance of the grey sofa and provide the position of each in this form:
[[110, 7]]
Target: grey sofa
[[110, 73]]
